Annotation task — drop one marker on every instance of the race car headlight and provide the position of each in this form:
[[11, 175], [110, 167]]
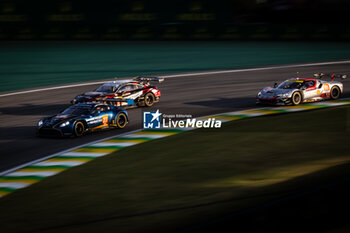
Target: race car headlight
[[40, 123], [64, 124], [259, 93], [283, 95]]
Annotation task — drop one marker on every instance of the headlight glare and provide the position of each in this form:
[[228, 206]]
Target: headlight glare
[[283, 95], [64, 124]]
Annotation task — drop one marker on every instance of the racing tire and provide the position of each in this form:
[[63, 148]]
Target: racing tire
[[149, 99], [335, 93], [296, 98], [79, 129], [121, 120]]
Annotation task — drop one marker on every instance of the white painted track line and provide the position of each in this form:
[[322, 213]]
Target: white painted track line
[[146, 136], [258, 69], [66, 153], [52, 88], [186, 75], [38, 173], [61, 163], [82, 154], [121, 144]]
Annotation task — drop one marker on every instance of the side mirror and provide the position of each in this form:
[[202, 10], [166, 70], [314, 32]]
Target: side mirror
[[275, 85], [303, 88], [320, 86]]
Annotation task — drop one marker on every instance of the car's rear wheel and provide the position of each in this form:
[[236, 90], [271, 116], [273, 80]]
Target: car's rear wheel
[[79, 129], [121, 120], [149, 99], [335, 92], [296, 98]]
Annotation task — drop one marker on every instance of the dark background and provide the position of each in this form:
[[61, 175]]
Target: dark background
[[175, 20]]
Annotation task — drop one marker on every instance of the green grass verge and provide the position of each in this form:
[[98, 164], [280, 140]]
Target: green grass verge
[[28, 65], [172, 182]]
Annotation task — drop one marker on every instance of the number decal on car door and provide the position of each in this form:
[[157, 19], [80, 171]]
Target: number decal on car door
[[326, 87], [104, 119]]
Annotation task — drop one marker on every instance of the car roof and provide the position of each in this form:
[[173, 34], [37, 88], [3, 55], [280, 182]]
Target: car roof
[[302, 79], [92, 104], [118, 82]]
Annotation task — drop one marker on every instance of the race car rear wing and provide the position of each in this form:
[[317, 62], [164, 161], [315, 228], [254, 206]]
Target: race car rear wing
[[149, 79], [332, 76]]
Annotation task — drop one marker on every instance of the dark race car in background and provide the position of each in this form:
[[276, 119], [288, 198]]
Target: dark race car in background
[[78, 119], [126, 93], [301, 90]]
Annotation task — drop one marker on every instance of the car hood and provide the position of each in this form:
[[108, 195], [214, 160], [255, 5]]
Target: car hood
[[275, 91], [56, 119], [95, 93]]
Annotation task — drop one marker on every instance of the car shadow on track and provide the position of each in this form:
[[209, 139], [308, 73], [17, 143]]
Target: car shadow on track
[[30, 109], [17, 133]]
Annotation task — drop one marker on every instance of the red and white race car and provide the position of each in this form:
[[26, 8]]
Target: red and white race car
[[126, 93], [301, 90]]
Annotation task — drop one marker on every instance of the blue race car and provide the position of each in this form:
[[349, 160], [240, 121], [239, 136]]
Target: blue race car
[[81, 118]]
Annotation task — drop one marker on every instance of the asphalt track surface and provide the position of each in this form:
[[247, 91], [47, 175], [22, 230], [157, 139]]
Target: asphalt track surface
[[195, 95]]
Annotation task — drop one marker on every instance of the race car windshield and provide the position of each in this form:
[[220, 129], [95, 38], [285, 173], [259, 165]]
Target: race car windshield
[[76, 110], [290, 85], [106, 88]]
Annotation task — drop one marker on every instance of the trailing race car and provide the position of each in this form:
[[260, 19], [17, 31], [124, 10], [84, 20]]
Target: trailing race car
[[301, 90], [126, 93], [81, 118]]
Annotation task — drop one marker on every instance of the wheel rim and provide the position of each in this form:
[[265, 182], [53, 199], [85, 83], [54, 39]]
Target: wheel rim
[[296, 98], [149, 99], [335, 92], [121, 120], [79, 129]]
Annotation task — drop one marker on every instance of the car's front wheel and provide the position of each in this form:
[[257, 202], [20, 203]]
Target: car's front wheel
[[296, 98], [335, 92], [79, 129], [121, 120]]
